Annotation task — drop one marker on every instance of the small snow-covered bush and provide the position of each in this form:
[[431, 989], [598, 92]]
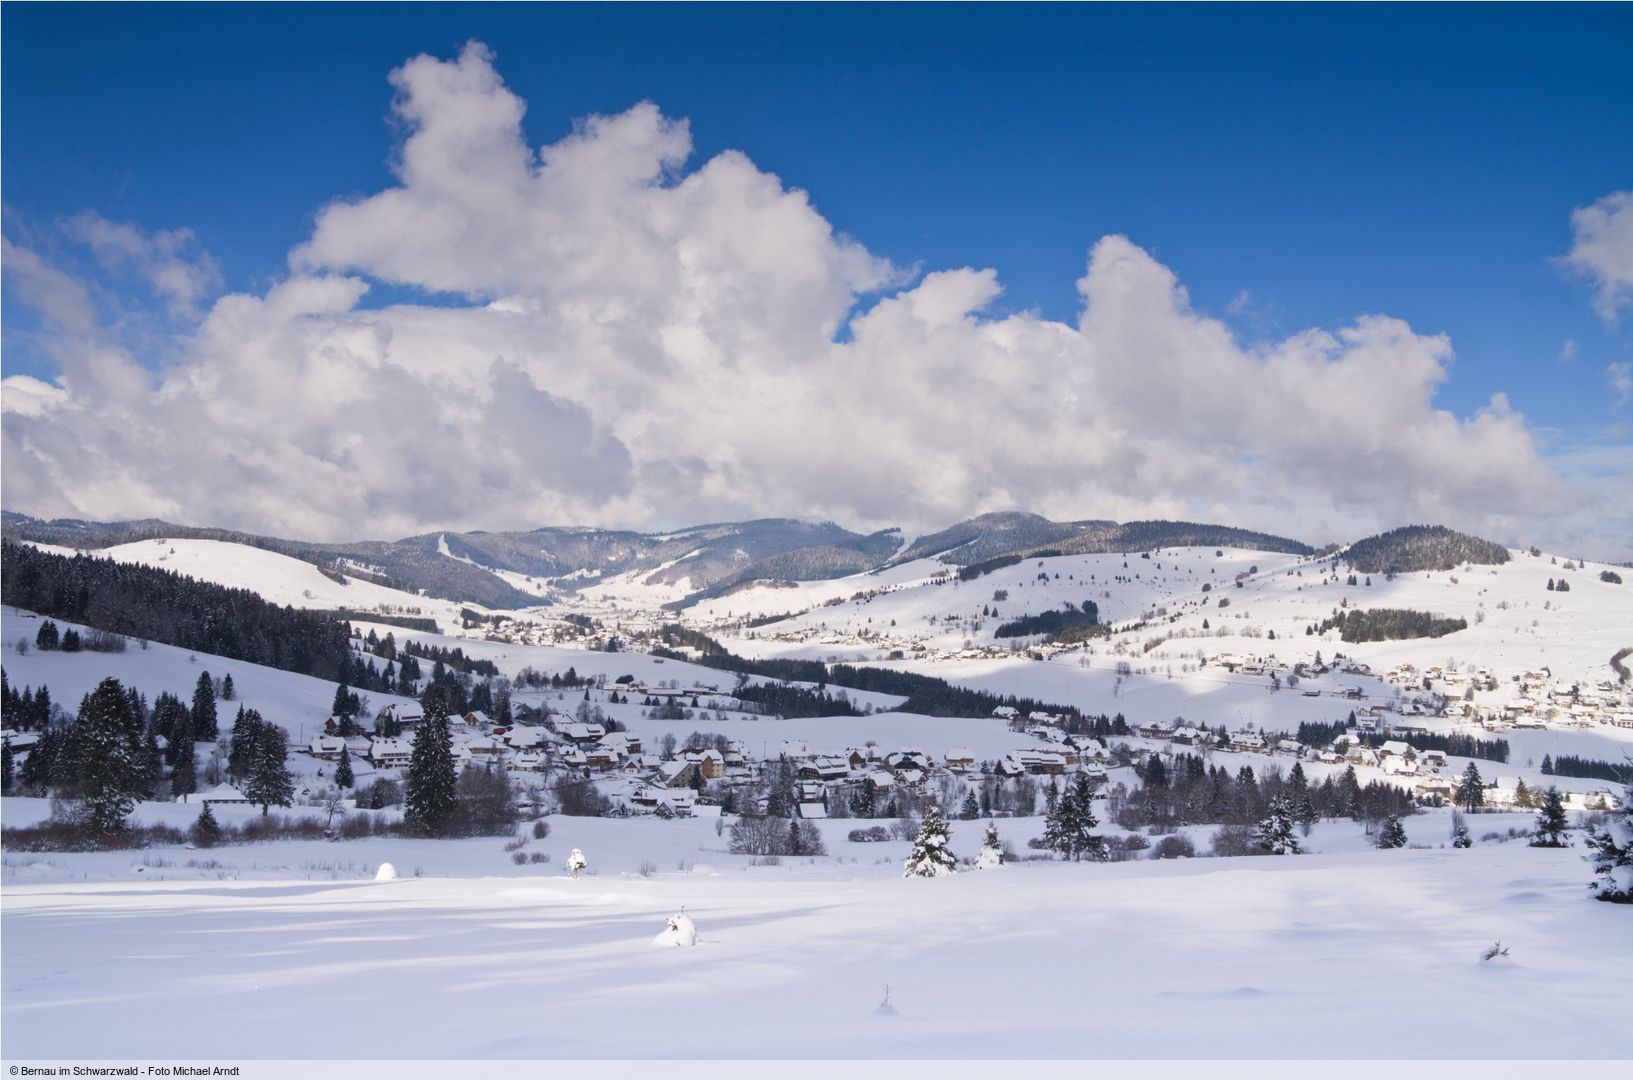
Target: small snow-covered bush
[[1174, 847], [869, 836]]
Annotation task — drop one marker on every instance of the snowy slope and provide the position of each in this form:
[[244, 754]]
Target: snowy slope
[[1273, 958]]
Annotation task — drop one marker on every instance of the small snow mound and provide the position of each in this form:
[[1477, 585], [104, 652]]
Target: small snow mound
[[387, 872], [681, 931]]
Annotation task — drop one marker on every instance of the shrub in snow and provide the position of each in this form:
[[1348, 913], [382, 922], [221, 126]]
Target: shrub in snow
[[931, 857], [387, 872], [1610, 850], [1494, 950], [869, 835], [680, 931], [992, 850], [576, 862], [1174, 847], [1460, 832]]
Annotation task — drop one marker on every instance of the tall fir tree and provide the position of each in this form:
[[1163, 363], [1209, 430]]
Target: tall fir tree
[[227, 689], [205, 728], [6, 767], [429, 798], [343, 770], [246, 727], [110, 757], [1610, 852], [1551, 821], [931, 857], [1276, 833], [269, 782], [183, 766], [1069, 828], [971, 809], [1471, 790]]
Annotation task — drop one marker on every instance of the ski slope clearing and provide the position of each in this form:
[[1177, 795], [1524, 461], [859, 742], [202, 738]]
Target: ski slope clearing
[[1267, 957]]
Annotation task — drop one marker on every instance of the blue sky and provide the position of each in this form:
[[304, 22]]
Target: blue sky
[[1295, 169]]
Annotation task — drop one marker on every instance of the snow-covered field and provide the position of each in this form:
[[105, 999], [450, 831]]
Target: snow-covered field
[[291, 949]]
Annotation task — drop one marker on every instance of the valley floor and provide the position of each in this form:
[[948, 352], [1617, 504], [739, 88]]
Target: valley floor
[[286, 950]]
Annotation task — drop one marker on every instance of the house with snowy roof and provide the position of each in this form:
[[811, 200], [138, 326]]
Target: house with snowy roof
[[960, 759], [224, 794], [326, 747], [406, 717], [394, 753]]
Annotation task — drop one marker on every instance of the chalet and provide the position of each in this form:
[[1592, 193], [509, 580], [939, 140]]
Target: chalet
[[406, 717], [642, 764], [622, 743], [582, 734], [677, 774], [1395, 748], [1246, 742], [1622, 720], [796, 750], [1435, 788], [484, 747], [1090, 749], [681, 800], [525, 737], [571, 757], [600, 758], [1041, 762], [1157, 729], [390, 753], [908, 759], [823, 769], [1396, 765], [1432, 759], [477, 718], [1040, 717], [1046, 732], [712, 763], [224, 794], [1005, 712], [1290, 746], [529, 761], [1188, 736], [960, 759], [327, 747]]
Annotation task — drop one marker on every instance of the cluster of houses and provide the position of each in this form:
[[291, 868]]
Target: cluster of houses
[[1539, 700]]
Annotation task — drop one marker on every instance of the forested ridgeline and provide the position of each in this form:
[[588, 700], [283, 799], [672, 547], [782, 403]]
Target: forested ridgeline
[[163, 606]]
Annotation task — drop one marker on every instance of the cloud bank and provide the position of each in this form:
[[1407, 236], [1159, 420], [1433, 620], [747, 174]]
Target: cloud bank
[[621, 337]]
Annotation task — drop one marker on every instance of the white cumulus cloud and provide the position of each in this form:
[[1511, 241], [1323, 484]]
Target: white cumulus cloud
[[622, 336], [1602, 250]]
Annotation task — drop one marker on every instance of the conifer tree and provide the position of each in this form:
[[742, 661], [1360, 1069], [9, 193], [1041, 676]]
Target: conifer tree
[[1551, 821], [108, 739], [1276, 833], [931, 857], [227, 690], [183, 767], [971, 809], [204, 719], [429, 796], [1471, 792], [1068, 828], [992, 849], [1393, 834], [1547, 765], [6, 774], [1524, 798], [46, 638], [206, 831], [1610, 851], [1460, 832], [343, 770], [269, 778], [246, 726]]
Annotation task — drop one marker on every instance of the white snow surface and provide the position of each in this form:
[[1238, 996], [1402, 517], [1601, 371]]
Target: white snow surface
[[1189, 958]]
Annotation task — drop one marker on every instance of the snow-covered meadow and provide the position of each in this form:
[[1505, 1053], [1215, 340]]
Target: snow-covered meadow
[[259, 950]]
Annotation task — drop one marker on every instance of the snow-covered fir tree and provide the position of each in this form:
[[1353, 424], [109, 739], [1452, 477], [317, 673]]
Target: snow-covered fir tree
[[931, 857], [992, 850], [1610, 850], [343, 770], [1460, 831], [428, 794], [1393, 834], [1069, 829], [270, 782], [1551, 821], [971, 809], [1277, 833], [109, 753]]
